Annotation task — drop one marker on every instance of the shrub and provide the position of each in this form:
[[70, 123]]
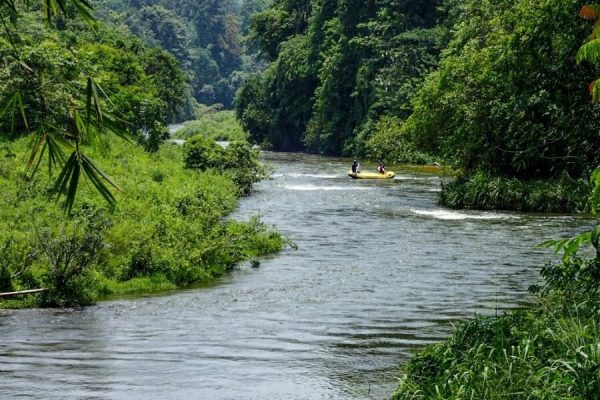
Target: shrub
[[239, 161], [485, 192], [70, 252], [392, 144]]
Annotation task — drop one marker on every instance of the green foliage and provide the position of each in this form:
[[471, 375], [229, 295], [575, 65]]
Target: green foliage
[[70, 252], [336, 68], [539, 354], [391, 143], [214, 123], [238, 160], [507, 97], [203, 35], [488, 192], [550, 351], [252, 110], [168, 228], [54, 83]]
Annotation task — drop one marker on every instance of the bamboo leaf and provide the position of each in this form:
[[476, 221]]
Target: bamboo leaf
[[19, 100], [84, 8], [37, 146], [595, 239], [103, 174], [14, 107], [67, 181], [117, 126], [97, 106], [24, 65], [88, 101], [95, 179]]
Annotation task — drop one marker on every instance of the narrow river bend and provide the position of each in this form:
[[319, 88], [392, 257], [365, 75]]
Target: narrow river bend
[[380, 270]]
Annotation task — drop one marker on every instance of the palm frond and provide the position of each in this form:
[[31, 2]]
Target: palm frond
[[84, 8], [43, 141], [51, 8]]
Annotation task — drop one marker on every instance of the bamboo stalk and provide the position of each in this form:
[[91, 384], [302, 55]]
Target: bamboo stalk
[[22, 292]]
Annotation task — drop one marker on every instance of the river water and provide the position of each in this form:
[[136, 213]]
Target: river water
[[380, 271]]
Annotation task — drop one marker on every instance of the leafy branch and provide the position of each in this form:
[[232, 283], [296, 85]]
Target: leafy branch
[[52, 141]]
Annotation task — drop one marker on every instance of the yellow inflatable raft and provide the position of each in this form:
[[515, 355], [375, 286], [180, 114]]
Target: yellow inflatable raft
[[371, 175]]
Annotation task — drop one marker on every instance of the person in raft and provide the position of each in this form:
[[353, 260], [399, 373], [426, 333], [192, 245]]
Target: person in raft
[[381, 168], [355, 167]]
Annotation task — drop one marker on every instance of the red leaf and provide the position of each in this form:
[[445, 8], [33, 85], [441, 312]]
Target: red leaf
[[590, 12]]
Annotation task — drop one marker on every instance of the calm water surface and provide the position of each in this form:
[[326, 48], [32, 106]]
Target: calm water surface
[[380, 271]]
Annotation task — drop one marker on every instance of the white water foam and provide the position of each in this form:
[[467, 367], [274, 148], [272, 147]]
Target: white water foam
[[307, 188], [448, 215], [322, 176], [416, 178]]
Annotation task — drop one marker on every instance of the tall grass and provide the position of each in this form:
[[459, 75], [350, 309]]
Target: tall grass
[[168, 228], [551, 351], [485, 192]]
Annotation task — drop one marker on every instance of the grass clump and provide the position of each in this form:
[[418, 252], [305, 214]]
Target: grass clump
[[167, 231], [551, 351], [486, 192]]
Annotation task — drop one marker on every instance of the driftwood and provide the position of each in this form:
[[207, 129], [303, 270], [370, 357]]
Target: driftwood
[[22, 292]]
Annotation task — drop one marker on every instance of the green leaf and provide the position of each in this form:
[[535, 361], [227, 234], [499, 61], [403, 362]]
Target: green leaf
[[96, 177], [67, 181], [50, 9], [10, 4], [595, 196], [84, 8], [14, 106], [595, 239], [590, 52], [569, 246]]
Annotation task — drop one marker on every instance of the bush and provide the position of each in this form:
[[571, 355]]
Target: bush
[[213, 123], [392, 144], [239, 161], [70, 252], [165, 232], [485, 192]]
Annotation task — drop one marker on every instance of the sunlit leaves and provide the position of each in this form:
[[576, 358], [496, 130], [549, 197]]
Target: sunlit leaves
[[569, 246], [595, 197], [590, 52]]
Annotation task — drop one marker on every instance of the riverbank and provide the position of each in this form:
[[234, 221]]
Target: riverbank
[[550, 351], [483, 191], [167, 231]]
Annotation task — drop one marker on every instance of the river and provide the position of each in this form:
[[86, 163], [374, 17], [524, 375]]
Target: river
[[380, 271]]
